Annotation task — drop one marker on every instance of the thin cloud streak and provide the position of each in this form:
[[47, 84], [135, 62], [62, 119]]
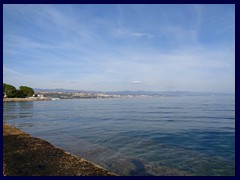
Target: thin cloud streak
[[137, 34], [136, 82]]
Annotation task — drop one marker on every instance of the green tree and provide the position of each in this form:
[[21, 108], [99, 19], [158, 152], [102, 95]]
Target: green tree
[[27, 91], [20, 94], [9, 90]]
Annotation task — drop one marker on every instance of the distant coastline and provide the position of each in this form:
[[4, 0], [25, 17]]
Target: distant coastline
[[48, 95], [78, 94], [26, 99]]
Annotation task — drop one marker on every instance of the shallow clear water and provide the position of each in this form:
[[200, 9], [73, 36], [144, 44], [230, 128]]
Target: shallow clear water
[[175, 135]]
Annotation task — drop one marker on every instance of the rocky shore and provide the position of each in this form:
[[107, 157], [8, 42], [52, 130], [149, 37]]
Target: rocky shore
[[24, 155], [26, 99]]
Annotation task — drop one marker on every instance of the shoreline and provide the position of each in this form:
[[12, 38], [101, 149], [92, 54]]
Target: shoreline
[[26, 99], [24, 155]]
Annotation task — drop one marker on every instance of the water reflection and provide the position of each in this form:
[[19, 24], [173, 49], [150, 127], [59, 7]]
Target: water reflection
[[16, 110], [26, 105]]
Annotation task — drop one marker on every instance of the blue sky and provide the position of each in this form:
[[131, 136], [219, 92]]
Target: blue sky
[[120, 47]]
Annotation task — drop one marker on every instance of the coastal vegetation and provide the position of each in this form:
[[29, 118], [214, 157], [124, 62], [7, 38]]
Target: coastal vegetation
[[10, 91]]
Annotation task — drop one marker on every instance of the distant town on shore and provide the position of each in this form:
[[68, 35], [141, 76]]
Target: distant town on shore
[[80, 94], [10, 91]]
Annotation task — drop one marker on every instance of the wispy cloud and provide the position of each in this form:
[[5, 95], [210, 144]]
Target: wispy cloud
[[137, 34], [136, 82], [73, 82], [116, 47]]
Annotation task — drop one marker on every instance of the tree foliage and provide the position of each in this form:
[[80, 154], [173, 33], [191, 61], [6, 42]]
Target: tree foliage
[[11, 92], [20, 94], [27, 91]]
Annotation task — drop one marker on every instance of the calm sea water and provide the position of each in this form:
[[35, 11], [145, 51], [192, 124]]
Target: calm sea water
[[178, 135]]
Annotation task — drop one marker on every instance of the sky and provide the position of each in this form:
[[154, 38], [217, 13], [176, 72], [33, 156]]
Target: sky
[[101, 47]]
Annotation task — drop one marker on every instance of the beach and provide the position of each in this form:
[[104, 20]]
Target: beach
[[24, 155]]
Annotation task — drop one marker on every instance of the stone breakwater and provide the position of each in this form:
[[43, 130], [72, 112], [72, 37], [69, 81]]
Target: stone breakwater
[[24, 155], [26, 99]]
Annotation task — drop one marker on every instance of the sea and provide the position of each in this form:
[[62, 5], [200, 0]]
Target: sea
[[140, 136]]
